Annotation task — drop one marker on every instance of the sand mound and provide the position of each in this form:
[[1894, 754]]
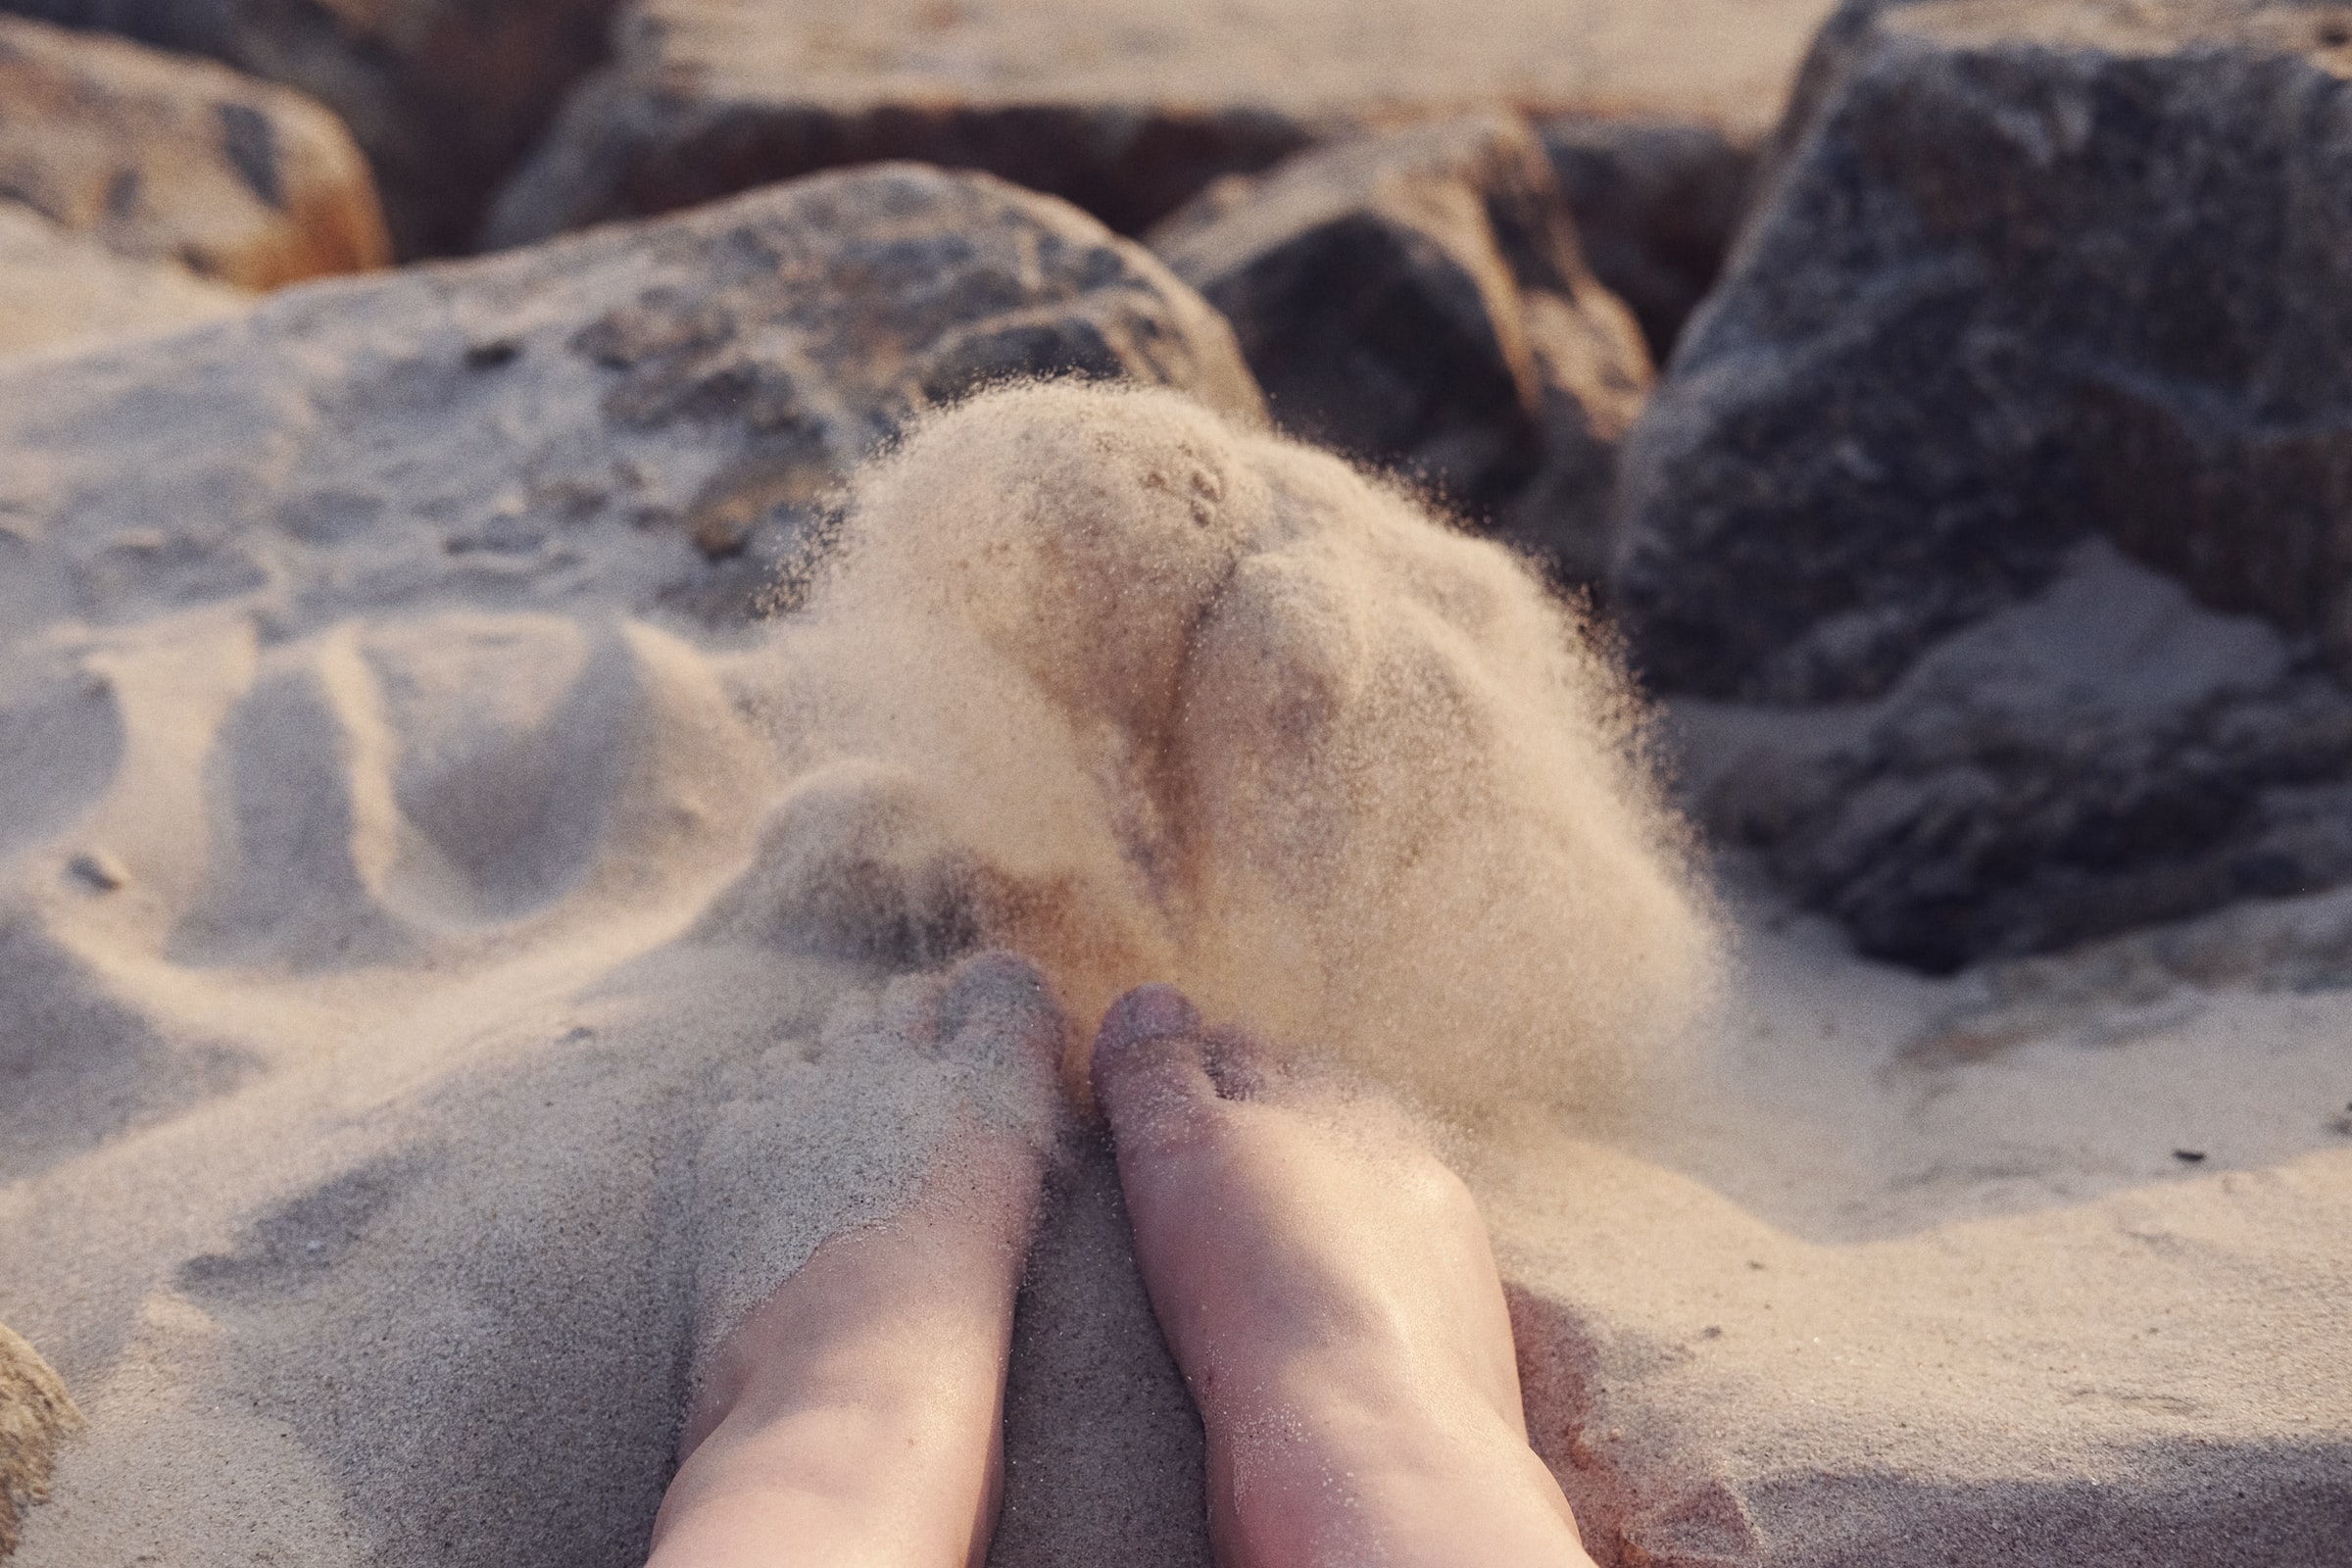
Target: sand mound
[[1152, 699]]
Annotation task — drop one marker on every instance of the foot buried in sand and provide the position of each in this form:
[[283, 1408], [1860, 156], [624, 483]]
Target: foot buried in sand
[[1324, 1281], [1328, 1290], [856, 1414]]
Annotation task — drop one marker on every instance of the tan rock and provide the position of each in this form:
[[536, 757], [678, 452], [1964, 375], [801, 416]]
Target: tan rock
[[444, 95], [58, 287], [172, 159], [1126, 110], [1417, 298], [36, 1414]]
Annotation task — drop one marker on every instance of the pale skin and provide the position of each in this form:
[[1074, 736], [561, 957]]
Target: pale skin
[[1325, 1283]]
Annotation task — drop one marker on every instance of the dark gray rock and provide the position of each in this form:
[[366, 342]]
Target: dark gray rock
[[2026, 273], [658, 410], [1656, 204], [2029, 282], [633, 141], [2104, 755], [1417, 300], [445, 96], [1128, 110]]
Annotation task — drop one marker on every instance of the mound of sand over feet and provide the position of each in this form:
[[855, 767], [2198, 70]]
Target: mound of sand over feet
[[1100, 679], [502, 999]]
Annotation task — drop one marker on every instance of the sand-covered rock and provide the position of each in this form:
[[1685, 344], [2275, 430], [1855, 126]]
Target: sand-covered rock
[[166, 158], [1126, 110], [444, 95], [36, 1414], [1656, 203], [58, 287], [2042, 310], [657, 412], [1417, 300]]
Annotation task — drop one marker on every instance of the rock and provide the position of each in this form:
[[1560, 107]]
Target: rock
[[2027, 274], [1416, 299], [1656, 204], [1126, 110], [691, 389], [444, 95], [170, 159], [58, 287], [2033, 283], [2103, 755], [36, 1414]]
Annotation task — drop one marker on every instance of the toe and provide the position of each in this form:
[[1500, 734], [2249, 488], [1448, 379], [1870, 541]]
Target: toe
[[909, 1012], [1150, 1071], [997, 1008]]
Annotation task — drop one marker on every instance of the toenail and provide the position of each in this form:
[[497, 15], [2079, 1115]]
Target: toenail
[[1149, 1013]]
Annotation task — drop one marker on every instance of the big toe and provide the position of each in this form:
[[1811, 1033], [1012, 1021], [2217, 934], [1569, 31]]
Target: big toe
[[997, 1011], [1150, 1068]]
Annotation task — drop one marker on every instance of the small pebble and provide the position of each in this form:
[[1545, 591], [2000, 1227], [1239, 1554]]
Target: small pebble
[[97, 871]]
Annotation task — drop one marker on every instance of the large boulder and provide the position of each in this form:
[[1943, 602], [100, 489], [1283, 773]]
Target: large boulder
[[1126, 110], [1417, 300], [2027, 272], [444, 95], [693, 389], [2037, 334], [166, 158], [58, 287]]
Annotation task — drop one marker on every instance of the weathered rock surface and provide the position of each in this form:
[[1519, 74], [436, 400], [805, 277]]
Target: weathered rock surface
[[2103, 754], [693, 387], [444, 95], [36, 1414], [1656, 203], [1417, 298], [58, 287], [1126, 110], [2032, 279], [167, 157]]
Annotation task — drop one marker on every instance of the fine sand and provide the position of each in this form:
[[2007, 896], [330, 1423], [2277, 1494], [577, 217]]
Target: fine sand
[[423, 1027]]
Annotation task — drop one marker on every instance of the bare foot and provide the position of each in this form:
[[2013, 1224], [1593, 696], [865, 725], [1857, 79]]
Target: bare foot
[[1328, 1288], [855, 1416]]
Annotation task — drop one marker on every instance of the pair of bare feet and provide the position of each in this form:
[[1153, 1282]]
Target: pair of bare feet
[[1325, 1283]]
